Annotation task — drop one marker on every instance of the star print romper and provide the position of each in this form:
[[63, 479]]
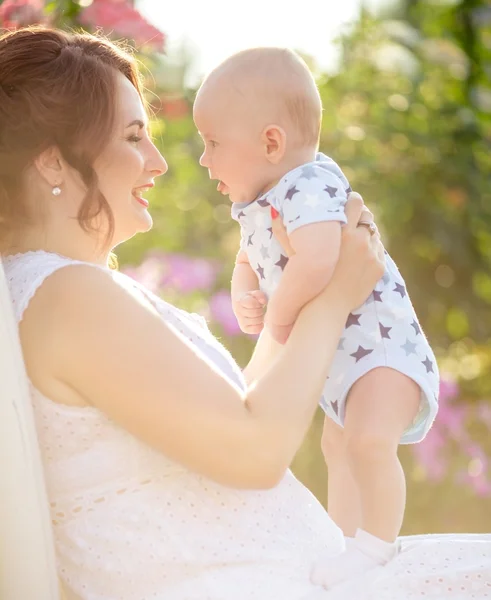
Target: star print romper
[[383, 332]]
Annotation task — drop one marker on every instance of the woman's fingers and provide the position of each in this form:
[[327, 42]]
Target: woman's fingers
[[353, 209], [280, 233], [362, 261], [357, 213]]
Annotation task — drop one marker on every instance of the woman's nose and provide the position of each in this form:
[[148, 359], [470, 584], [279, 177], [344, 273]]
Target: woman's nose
[[157, 163]]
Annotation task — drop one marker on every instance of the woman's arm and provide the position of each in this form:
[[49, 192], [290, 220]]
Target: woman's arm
[[104, 345]]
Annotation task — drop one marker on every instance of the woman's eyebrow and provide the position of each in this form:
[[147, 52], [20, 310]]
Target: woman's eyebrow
[[138, 122]]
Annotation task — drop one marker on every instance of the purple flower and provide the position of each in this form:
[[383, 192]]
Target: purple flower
[[183, 274], [221, 311], [429, 454], [450, 426], [187, 274], [149, 273]]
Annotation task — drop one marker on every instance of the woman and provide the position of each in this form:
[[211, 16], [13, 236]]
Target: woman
[[166, 467]]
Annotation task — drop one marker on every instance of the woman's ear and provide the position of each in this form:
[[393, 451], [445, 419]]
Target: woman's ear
[[49, 165], [274, 140]]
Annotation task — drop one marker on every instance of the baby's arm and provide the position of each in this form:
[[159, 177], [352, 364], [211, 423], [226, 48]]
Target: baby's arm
[[307, 272], [243, 277], [247, 300]]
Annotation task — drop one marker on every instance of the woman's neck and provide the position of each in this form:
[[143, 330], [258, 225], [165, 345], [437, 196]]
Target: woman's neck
[[78, 246]]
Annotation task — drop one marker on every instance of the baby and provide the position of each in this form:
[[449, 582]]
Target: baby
[[259, 114]]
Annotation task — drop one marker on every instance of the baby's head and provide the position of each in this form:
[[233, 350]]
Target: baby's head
[[259, 114]]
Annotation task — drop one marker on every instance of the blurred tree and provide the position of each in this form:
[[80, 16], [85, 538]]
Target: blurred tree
[[408, 117]]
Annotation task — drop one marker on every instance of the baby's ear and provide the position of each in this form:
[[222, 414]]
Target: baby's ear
[[274, 140]]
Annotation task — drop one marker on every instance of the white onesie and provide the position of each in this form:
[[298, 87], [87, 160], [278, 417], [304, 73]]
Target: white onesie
[[383, 332]]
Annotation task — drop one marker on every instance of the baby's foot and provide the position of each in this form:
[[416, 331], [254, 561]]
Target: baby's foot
[[363, 552]]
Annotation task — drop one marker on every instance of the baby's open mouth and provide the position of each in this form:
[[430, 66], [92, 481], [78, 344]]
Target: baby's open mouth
[[222, 188]]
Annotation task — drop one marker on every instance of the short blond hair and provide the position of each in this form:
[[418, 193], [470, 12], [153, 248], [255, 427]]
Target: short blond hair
[[284, 80]]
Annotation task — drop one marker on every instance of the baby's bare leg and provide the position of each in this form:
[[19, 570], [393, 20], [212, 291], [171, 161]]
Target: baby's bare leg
[[380, 406], [343, 502]]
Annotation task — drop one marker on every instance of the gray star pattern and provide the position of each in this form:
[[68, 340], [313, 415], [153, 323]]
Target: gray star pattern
[[331, 190], [241, 214], [249, 240], [282, 262], [264, 252], [417, 328], [260, 270], [341, 343], [335, 406], [270, 229], [428, 365], [361, 353], [353, 320], [263, 202], [400, 289], [308, 172], [409, 347], [291, 192], [386, 278], [375, 296], [384, 331]]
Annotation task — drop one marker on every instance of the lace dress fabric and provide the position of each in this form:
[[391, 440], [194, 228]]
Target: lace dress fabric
[[131, 524]]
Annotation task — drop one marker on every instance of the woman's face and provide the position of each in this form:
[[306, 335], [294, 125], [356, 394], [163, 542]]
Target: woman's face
[[129, 164]]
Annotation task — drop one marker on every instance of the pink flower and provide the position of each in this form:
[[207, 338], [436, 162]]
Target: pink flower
[[449, 389], [479, 484], [188, 274], [484, 412], [124, 20], [430, 454], [451, 427], [221, 311], [20, 13], [181, 273], [149, 273]]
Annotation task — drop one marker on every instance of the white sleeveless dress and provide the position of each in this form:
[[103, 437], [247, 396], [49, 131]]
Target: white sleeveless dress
[[130, 524]]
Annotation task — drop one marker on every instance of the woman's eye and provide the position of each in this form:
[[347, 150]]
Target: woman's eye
[[134, 139], [213, 144]]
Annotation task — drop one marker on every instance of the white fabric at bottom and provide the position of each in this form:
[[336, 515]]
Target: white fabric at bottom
[[130, 524], [434, 567]]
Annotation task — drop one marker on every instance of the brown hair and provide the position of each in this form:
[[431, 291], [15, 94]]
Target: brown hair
[[56, 88]]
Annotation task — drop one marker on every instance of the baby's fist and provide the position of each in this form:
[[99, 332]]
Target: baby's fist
[[249, 310]]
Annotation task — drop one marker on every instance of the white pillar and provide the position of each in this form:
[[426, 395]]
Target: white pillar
[[27, 558]]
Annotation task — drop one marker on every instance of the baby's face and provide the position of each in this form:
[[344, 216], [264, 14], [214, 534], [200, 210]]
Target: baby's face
[[234, 153]]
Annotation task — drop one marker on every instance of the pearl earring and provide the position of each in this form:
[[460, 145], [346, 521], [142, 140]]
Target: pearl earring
[[56, 191]]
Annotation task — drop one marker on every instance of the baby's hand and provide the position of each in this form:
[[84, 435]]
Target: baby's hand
[[249, 310], [280, 333]]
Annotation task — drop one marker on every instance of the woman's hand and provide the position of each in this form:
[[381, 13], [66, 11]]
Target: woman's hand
[[279, 231]]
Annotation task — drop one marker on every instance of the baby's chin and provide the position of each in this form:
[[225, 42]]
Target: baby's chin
[[240, 198]]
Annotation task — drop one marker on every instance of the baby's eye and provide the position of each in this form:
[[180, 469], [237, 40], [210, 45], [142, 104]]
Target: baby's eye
[[213, 144]]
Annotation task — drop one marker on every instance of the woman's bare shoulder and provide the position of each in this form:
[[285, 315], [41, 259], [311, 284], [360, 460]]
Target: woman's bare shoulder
[[76, 303]]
